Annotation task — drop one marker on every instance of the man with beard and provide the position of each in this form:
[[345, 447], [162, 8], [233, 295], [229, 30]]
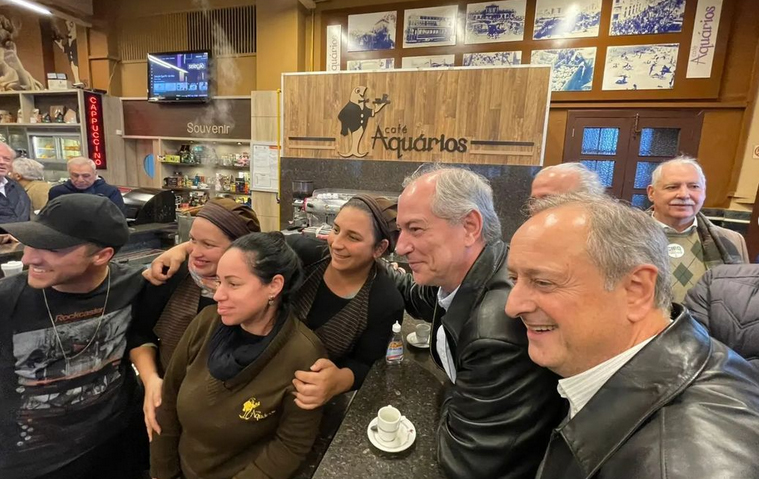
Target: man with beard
[[678, 190]]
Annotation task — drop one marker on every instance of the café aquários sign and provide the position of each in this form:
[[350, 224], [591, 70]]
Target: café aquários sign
[[453, 115]]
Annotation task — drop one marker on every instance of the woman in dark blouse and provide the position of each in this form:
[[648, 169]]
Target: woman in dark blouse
[[347, 299]]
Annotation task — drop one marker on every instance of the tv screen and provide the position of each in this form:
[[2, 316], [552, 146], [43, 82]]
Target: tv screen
[[178, 76]]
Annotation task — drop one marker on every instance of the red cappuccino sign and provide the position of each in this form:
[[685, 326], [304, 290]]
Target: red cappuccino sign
[[93, 107]]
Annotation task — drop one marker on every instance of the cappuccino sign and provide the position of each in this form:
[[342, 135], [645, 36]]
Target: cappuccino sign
[[705, 30]]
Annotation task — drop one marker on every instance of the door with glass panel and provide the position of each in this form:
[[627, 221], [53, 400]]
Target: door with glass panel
[[625, 146]]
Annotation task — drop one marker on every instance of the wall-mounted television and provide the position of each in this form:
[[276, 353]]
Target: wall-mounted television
[[179, 76]]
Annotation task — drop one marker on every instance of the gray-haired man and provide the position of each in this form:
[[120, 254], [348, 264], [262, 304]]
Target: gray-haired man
[[15, 204], [496, 421], [651, 395], [83, 178], [566, 178]]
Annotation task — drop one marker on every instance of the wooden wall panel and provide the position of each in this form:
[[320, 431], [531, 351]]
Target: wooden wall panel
[[495, 115]]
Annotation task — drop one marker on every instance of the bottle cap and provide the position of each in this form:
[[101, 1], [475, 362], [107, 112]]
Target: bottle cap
[[396, 327]]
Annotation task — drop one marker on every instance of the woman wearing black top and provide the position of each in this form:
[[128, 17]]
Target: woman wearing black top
[[346, 299]]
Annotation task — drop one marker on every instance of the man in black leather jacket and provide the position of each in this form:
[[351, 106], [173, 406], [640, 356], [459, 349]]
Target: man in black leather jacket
[[496, 421], [651, 395]]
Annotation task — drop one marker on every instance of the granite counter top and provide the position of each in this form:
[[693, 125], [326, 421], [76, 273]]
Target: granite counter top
[[416, 392]]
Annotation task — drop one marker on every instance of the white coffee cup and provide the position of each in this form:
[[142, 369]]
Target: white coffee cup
[[423, 333], [12, 267], [388, 422]]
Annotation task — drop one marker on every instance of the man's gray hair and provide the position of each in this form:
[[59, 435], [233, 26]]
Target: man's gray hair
[[10, 150], [620, 238], [28, 169], [458, 192], [589, 182], [678, 160], [81, 161]]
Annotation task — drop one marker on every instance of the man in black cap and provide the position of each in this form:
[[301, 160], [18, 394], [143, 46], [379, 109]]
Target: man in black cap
[[68, 402]]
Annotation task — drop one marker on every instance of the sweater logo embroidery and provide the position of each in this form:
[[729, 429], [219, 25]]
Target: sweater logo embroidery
[[250, 410]]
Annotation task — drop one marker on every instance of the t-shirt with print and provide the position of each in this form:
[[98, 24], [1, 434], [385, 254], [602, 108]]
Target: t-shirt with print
[[53, 410]]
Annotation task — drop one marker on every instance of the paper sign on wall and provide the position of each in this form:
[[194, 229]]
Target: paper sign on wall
[[265, 168], [704, 38], [334, 40]]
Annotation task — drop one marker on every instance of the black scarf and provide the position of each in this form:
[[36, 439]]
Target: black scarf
[[233, 349]]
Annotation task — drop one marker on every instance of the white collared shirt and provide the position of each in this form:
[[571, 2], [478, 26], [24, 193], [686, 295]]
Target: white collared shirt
[[580, 388], [3, 182], [441, 346], [671, 229]]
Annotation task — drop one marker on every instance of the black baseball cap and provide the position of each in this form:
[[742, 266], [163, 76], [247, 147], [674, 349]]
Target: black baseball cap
[[71, 220]]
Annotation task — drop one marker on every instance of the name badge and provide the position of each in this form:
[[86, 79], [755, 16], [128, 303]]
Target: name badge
[[675, 250]]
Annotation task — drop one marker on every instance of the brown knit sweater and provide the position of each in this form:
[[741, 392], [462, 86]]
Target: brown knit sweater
[[245, 428]]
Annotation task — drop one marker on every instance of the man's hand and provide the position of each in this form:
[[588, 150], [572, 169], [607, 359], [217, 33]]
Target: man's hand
[[7, 239], [163, 267], [151, 402], [325, 380]]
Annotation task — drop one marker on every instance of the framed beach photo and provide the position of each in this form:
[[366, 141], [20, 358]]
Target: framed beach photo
[[647, 17], [641, 67], [493, 22], [372, 31], [433, 61], [430, 27], [492, 59], [572, 68], [566, 19], [375, 64]]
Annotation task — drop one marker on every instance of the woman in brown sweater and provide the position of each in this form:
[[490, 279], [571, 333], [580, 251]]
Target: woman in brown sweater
[[228, 409]]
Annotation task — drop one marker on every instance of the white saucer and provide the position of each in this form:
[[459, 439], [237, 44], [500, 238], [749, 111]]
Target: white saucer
[[411, 339], [405, 438]]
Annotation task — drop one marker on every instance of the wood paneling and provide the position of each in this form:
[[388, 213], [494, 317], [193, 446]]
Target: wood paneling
[[219, 118], [717, 153], [494, 116]]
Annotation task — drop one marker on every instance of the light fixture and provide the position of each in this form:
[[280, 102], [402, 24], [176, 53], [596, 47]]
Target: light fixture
[[31, 6]]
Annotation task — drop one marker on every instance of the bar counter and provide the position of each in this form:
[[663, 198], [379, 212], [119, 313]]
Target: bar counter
[[415, 389]]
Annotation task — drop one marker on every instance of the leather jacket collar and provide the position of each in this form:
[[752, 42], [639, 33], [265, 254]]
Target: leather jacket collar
[[652, 379]]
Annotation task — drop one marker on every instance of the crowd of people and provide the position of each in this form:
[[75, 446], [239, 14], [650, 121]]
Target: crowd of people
[[567, 352]]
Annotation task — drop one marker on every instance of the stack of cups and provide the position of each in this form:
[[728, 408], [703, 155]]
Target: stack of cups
[[11, 268]]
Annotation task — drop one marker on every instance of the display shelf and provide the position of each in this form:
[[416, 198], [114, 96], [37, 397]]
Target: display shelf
[[180, 188], [194, 165], [44, 125]]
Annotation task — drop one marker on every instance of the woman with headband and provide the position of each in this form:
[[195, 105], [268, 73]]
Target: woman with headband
[[168, 309], [346, 298]]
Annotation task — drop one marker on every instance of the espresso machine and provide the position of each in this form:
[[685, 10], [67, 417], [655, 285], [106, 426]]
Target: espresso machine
[[324, 204], [302, 189]]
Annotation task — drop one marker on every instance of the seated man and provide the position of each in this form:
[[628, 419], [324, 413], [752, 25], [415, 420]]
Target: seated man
[[15, 204], [83, 178], [726, 301], [678, 190], [69, 407], [497, 419], [651, 395], [29, 174], [566, 178]]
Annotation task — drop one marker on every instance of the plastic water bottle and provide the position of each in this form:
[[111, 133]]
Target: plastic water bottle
[[394, 354]]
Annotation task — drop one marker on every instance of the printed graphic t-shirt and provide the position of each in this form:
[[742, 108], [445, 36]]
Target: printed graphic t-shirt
[[53, 410]]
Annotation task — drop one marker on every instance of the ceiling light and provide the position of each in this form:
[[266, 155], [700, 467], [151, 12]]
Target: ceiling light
[[31, 6]]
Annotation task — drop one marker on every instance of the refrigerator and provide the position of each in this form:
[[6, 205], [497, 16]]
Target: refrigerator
[[53, 151]]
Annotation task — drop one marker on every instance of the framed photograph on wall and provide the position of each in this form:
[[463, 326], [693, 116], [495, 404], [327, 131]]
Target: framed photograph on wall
[[376, 64], [371, 31], [493, 22], [428, 27], [433, 61], [647, 17], [641, 67], [566, 19], [492, 59], [572, 68]]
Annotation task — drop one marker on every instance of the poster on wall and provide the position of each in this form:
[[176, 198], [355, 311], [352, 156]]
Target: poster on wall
[[492, 22], [572, 68], [492, 59], [371, 31], [641, 67], [705, 30], [566, 19], [13, 75], [377, 64], [647, 17], [430, 27], [434, 61], [334, 40], [64, 37]]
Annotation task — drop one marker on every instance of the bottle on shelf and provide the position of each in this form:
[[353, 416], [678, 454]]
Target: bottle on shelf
[[394, 354]]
